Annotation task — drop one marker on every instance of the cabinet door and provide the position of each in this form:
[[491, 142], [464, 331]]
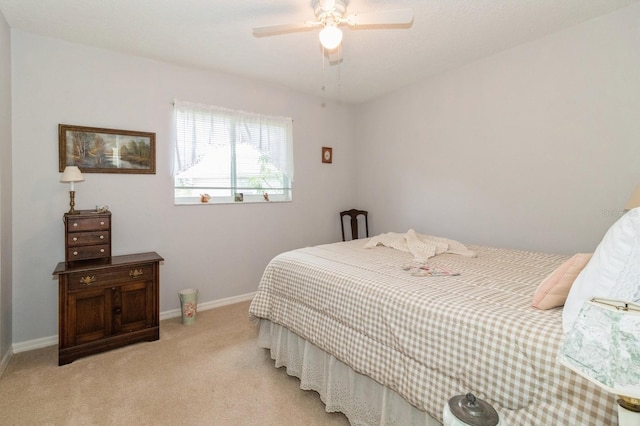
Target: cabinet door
[[88, 316], [133, 306]]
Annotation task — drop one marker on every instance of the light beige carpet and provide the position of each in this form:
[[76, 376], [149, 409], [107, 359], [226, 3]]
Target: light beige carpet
[[210, 373]]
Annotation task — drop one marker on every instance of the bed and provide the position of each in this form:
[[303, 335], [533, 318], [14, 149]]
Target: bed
[[385, 345]]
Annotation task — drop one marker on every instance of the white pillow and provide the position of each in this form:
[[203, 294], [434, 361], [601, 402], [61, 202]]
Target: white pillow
[[614, 270]]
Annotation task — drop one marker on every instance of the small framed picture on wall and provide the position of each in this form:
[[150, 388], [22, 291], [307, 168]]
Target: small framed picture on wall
[[327, 154]]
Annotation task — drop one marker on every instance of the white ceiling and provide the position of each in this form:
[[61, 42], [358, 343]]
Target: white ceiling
[[217, 35]]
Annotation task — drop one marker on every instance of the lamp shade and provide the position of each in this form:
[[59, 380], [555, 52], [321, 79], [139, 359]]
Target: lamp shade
[[71, 174], [330, 36], [634, 200], [604, 346]]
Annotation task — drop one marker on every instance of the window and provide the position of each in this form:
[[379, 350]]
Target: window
[[232, 156]]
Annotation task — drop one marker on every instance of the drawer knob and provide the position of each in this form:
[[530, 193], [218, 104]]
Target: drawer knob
[[102, 223], [102, 237], [75, 224], [101, 250], [88, 279], [135, 273], [75, 253], [75, 238]]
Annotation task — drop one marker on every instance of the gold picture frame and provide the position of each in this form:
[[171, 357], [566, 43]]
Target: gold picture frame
[[99, 150]]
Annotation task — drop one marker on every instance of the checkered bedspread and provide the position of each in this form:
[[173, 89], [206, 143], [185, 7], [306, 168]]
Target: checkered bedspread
[[430, 338]]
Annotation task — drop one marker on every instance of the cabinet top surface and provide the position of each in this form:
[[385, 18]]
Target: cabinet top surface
[[128, 259], [87, 213]]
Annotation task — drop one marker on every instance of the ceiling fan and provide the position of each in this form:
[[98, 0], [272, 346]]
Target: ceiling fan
[[330, 14]]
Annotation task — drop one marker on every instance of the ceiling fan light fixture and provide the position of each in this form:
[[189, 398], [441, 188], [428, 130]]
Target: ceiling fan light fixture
[[330, 37]]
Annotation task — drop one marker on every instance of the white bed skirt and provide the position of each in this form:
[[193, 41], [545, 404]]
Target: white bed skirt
[[363, 400]]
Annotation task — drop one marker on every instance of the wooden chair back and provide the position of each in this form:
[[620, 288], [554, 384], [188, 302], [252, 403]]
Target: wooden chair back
[[353, 214]]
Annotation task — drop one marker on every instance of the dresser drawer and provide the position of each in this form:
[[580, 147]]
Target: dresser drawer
[[88, 252], [87, 223], [87, 238], [110, 276]]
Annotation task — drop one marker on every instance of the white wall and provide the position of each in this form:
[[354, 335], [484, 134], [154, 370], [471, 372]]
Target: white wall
[[5, 192], [220, 249], [537, 147]]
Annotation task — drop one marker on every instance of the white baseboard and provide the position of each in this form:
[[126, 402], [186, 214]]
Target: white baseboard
[[53, 340], [209, 305], [5, 361], [30, 345]]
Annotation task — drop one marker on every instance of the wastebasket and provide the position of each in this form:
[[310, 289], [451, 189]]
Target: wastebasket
[[189, 305]]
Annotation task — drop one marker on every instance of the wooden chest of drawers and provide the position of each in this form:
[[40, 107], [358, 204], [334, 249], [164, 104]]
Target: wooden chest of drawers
[[87, 237], [105, 306]]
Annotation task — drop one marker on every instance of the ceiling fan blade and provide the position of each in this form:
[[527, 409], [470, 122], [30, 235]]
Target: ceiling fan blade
[[381, 17], [285, 28]]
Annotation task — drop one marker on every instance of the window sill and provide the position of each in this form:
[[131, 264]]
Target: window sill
[[197, 202]]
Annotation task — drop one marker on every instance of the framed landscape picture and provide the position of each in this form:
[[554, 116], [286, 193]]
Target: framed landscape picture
[[96, 150]]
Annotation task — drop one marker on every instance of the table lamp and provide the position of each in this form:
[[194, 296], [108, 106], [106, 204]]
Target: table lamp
[[603, 346], [72, 174]]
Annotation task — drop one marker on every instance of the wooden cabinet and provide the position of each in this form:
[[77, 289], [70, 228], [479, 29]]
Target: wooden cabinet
[[105, 306], [87, 237]]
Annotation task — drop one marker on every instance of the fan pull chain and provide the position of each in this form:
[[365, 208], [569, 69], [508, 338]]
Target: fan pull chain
[[340, 68], [324, 76], [324, 79]]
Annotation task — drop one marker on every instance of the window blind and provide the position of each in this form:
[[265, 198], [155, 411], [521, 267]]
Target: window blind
[[228, 152]]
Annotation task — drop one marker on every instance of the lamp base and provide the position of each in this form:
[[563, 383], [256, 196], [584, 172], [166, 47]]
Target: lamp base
[[72, 203], [628, 411]]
